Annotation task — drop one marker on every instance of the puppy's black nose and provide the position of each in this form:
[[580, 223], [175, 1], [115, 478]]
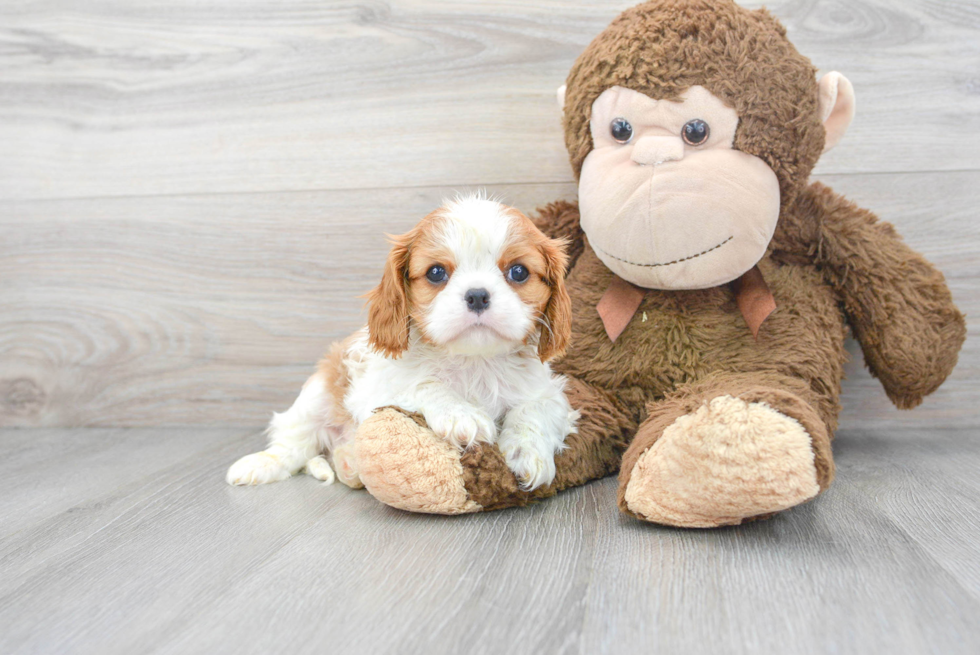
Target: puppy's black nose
[[477, 300]]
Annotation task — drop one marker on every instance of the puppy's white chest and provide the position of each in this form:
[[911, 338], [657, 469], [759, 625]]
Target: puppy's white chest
[[493, 384], [488, 385]]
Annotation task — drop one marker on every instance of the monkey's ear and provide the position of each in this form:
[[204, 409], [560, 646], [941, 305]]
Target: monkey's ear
[[836, 107], [561, 97]]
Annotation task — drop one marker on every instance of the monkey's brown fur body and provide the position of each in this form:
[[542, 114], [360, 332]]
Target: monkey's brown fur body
[[686, 354]]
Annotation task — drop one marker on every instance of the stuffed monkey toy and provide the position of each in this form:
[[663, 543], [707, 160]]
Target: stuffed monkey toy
[[712, 285]]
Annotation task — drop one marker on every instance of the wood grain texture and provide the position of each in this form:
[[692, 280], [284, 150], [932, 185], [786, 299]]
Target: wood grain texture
[[46, 476], [107, 98], [175, 561]]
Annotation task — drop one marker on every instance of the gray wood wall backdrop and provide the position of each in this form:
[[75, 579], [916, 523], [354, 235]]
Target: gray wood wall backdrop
[[193, 194]]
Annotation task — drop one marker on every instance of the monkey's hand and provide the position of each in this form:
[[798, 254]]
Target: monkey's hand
[[897, 303]]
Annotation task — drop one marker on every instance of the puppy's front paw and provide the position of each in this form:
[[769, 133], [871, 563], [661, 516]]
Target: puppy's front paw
[[463, 425], [257, 468], [531, 463]]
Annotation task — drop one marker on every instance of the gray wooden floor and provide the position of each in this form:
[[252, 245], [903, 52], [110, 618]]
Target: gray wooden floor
[[127, 541], [193, 193]]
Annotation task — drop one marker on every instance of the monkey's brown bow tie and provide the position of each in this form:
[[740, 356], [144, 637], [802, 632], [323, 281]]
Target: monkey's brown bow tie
[[619, 303]]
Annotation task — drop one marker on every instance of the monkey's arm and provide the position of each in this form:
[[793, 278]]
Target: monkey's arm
[[560, 220], [897, 303]]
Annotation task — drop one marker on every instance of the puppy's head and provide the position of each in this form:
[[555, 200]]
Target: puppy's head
[[476, 278]]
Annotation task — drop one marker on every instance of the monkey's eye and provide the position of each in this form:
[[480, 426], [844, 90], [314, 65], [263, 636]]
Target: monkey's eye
[[436, 274], [621, 130], [517, 273], [695, 132]]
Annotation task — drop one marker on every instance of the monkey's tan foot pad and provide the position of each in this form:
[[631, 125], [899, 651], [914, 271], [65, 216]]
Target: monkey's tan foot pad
[[405, 465], [725, 463]]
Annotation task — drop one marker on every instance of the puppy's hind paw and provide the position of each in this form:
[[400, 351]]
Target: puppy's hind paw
[[257, 468], [319, 468]]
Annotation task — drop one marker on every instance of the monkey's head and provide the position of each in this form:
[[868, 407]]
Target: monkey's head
[[690, 124]]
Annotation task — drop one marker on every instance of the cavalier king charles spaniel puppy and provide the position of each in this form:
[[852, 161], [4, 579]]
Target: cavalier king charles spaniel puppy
[[471, 307]]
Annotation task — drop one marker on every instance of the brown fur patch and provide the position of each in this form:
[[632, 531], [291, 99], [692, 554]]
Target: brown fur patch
[[388, 302], [425, 254], [544, 289], [404, 292], [558, 312], [336, 378]]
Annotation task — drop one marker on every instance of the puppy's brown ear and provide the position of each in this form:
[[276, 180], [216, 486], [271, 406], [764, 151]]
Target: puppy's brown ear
[[558, 312], [388, 311]]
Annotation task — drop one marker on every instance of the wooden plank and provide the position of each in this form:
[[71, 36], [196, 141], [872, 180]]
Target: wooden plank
[[442, 585], [177, 561], [46, 474], [213, 309], [109, 549], [918, 480], [105, 98]]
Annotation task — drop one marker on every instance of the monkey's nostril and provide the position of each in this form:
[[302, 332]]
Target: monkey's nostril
[[477, 300]]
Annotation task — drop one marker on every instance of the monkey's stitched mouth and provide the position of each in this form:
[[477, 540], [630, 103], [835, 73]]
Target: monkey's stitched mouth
[[676, 261]]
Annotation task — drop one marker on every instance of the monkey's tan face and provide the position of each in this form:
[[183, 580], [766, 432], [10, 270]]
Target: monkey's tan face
[[665, 199]]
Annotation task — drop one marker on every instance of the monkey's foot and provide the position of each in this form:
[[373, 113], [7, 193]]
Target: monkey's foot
[[405, 465], [728, 461]]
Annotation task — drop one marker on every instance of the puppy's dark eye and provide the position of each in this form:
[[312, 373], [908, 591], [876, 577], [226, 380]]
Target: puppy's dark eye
[[695, 132], [436, 274], [621, 130], [517, 273]]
